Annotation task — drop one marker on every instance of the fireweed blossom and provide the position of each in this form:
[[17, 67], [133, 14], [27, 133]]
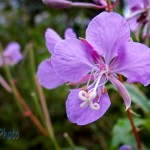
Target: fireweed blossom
[[47, 77], [11, 54], [106, 52], [140, 16]]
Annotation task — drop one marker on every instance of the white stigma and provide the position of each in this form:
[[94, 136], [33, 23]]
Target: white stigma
[[89, 96], [87, 99]]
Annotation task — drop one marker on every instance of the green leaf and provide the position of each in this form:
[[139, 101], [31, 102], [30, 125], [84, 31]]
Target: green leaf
[[147, 124], [122, 132], [137, 96]]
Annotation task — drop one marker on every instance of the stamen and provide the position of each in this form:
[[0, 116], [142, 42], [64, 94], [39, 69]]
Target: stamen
[[98, 80], [90, 77], [88, 95], [104, 90], [103, 82], [93, 72]]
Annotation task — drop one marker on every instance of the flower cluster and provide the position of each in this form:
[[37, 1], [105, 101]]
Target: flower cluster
[[105, 52]]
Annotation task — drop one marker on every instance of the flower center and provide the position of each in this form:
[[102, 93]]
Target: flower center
[[89, 95]]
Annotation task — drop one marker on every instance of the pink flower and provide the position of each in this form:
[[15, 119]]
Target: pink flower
[[106, 52], [46, 73], [11, 54], [140, 17]]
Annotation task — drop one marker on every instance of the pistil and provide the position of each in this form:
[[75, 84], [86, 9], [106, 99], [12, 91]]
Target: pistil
[[89, 95]]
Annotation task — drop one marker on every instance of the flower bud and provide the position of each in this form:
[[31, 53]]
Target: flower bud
[[58, 3], [102, 2], [125, 147]]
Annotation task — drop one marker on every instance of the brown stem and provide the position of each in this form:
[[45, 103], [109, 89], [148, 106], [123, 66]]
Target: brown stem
[[46, 114], [109, 7], [5, 84], [87, 5], [19, 98], [115, 4], [138, 141], [28, 112], [120, 77]]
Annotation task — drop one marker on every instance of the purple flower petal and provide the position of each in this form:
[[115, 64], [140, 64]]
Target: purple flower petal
[[47, 76], [102, 34], [122, 90], [97, 59], [69, 34], [125, 147], [136, 5], [83, 116], [1, 60], [12, 54], [133, 62], [133, 23], [51, 38], [71, 60]]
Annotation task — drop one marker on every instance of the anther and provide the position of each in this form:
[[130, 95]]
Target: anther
[[104, 90]]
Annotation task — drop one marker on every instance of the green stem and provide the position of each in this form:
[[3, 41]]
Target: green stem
[[69, 140], [20, 101], [46, 114], [34, 96], [137, 138], [8, 78]]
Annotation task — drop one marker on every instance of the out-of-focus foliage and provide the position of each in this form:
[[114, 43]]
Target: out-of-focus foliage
[[125, 132], [25, 21]]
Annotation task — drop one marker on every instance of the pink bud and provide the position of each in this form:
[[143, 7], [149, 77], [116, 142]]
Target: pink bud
[[102, 2], [125, 147], [58, 3]]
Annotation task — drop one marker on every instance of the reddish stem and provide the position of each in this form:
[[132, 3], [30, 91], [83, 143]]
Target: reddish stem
[[115, 4], [138, 141], [87, 5], [28, 112], [139, 145], [120, 77], [109, 7]]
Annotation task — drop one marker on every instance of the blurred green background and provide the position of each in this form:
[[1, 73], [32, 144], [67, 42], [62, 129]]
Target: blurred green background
[[25, 21]]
